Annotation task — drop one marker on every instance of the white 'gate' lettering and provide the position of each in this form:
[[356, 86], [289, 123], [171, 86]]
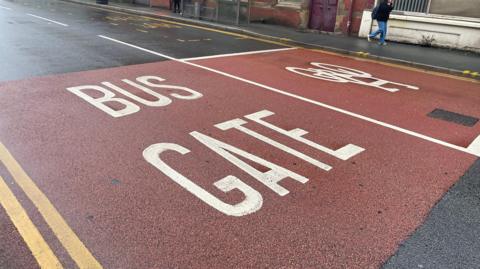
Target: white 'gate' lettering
[[269, 178], [237, 124], [253, 199], [343, 153]]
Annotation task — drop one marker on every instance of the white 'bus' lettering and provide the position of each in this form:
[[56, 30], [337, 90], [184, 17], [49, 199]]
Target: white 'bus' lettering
[[108, 96]]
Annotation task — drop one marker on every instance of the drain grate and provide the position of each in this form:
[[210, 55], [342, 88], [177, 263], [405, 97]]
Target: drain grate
[[453, 117]]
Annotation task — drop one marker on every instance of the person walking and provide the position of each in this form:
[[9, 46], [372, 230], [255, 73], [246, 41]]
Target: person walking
[[176, 6], [381, 14]]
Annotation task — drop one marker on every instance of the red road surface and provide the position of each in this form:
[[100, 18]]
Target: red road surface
[[405, 108], [131, 215], [13, 252]]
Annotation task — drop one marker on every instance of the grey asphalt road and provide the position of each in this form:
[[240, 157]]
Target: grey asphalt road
[[450, 237], [33, 46]]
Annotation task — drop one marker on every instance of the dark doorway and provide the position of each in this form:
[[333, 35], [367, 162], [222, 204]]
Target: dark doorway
[[323, 14]]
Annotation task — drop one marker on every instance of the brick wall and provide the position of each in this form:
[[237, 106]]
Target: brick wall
[[295, 13], [343, 12], [273, 11], [292, 13]]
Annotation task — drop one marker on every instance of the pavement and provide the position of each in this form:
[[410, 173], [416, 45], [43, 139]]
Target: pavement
[[431, 58], [133, 142]]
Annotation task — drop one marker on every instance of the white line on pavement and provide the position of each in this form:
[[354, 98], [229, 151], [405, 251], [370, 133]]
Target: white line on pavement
[[473, 149], [7, 8], [236, 54], [42, 18]]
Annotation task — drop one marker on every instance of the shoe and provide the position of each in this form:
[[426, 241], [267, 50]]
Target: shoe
[[368, 38], [382, 44]]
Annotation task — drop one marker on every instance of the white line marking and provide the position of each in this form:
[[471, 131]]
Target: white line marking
[[7, 8], [475, 145], [471, 150], [236, 54], [42, 18]]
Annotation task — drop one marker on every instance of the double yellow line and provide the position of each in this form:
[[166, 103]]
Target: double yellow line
[[29, 232]]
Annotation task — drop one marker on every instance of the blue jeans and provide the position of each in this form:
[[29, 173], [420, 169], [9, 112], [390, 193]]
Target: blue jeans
[[382, 30]]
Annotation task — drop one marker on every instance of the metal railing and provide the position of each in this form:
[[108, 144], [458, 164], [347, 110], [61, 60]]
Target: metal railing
[[227, 11], [421, 6], [198, 10]]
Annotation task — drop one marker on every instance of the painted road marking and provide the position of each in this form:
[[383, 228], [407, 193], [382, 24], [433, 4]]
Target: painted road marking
[[67, 237], [238, 124], [235, 54], [475, 145], [29, 232], [343, 74], [253, 199], [359, 59], [338, 207], [344, 153], [7, 8], [42, 18], [473, 148], [405, 67], [129, 107], [406, 108], [241, 36], [197, 27]]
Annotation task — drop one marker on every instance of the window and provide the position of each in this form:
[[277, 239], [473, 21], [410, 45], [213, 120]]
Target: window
[[290, 3], [412, 5]]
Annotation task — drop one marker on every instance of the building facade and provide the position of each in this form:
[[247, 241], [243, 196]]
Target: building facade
[[440, 23], [342, 16], [444, 23]]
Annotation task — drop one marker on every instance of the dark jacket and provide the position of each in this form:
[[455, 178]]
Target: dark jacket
[[383, 13]]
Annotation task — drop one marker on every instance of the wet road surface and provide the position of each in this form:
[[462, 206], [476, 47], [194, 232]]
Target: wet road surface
[[134, 143]]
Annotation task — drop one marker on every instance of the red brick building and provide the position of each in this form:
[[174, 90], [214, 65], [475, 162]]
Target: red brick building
[[343, 16], [322, 15]]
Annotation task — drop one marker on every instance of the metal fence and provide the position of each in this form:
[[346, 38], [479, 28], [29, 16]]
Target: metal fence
[[420, 6], [226, 11]]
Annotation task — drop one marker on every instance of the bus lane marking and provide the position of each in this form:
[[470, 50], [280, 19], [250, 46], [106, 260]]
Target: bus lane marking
[[67, 237], [341, 74], [253, 199], [473, 148], [110, 95]]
